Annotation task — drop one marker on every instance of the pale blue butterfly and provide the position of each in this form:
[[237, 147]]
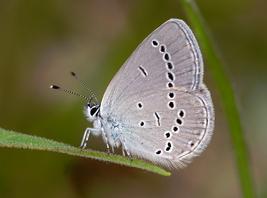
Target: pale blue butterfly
[[156, 107]]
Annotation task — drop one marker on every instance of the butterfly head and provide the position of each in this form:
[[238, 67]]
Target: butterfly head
[[92, 111]]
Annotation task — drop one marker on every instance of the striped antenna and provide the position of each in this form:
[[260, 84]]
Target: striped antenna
[[92, 95], [69, 92]]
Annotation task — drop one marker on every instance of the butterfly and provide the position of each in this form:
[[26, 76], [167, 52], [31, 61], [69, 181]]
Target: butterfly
[[156, 107]]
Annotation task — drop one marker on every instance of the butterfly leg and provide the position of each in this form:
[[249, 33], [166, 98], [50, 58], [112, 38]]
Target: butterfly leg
[[112, 149], [85, 138], [123, 153], [86, 135], [104, 135], [124, 148]]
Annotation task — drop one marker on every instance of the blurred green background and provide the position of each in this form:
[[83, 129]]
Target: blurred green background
[[41, 41]]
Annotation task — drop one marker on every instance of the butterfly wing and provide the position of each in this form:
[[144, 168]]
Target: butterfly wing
[[160, 81], [172, 129], [169, 56]]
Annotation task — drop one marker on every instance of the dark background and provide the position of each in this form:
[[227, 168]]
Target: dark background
[[41, 41]]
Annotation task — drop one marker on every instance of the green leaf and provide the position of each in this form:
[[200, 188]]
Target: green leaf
[[226, 93], [13, 139]]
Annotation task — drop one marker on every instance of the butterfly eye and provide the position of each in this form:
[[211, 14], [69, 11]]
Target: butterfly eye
[[93, 110]]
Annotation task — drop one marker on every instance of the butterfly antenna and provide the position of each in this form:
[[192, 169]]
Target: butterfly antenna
[[69, 92], [92, 95]]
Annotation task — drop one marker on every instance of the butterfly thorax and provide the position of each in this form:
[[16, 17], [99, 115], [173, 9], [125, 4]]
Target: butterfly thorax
[[112, 128]]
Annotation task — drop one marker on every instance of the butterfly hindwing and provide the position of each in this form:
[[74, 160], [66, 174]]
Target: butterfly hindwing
[[168, 126]]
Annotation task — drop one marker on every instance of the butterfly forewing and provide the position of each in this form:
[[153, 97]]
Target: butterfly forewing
[[168, 57]]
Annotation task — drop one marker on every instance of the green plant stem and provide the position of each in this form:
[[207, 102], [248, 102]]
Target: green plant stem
[[13, 139], [227, 96]]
